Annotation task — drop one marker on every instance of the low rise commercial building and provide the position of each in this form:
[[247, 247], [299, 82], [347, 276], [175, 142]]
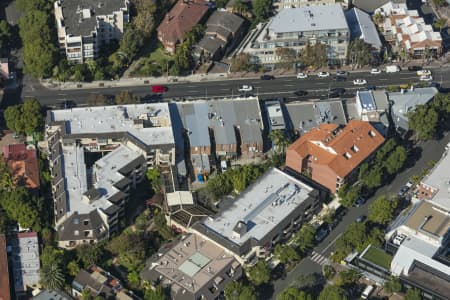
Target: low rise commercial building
[[331, 154], [406, 31], [264, 214], [184, 15], [23, 250], [84, 26], [294, 28], [96, 155], [194, 268]]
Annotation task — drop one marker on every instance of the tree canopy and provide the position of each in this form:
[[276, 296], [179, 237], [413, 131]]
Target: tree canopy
[[291, 293], [236, 290], [413, 294], [381, 210], [423, 120], [332, 292], [304, 238], [360, 54], [286, 254], [261, 9], [25, 118], [259, 273]]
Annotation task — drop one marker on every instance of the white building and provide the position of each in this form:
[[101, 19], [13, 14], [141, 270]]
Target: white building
[[89, 192], [85, 25], [294, 28], [281, 4]]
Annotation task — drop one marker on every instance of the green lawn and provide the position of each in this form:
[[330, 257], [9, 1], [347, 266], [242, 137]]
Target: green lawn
[[158, 55], [378, 257]]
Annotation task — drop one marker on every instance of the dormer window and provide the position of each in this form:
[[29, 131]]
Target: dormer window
[[347, 155], [355, 148], [372, 133]]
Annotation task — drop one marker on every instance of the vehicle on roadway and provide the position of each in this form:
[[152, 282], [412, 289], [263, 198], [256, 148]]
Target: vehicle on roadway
[[392, 69], [371, 87], [321, 234], [338, 91], [414, 68], [159, 89], [245, 88], [340, 78], [323, 74], [359, 82], [300, 93], [375, 71], [426, 78], [302, 76], [424, 73], [267, 77], [341, 73], [360, 219]]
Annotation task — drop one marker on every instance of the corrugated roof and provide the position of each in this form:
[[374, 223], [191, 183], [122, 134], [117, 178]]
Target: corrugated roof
[[362, 27]]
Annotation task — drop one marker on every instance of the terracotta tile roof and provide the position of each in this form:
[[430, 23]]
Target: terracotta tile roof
[[342, 149], [23, 164], [180, 19]]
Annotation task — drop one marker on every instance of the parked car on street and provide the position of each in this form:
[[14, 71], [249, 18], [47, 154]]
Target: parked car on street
[[302, 76], [375, 71], [267, 77], [424, 73], [321, 234], [426, 78], [403, 191], [361, 219], [414, 68], [245, 88], [340, 78], [360, 201], [392, 69], [359, 82], [337, 91], [159, 89], [323, 74], [341, 73], [300, 93]]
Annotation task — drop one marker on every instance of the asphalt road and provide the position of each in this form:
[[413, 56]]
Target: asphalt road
[[424, 153], [280, 87]]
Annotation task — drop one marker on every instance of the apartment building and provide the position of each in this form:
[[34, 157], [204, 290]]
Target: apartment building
[[406, 31], [193, 268], [184, 15], [96, 155], [294, 28], [23, 163], [281, 4], [84, 26], [264, 214], [331, 154]]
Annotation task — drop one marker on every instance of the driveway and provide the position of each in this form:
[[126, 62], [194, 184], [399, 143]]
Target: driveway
[[426, 152]]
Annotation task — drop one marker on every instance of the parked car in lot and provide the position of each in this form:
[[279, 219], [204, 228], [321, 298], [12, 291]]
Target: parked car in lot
[[245, 88], [361, 219], [360, 201], [359, 82], [300, 93], [424, 73], [403, 191], [323, 74], [375, 71], [426, 78], [414, 68], [267, 77], [302, 76]]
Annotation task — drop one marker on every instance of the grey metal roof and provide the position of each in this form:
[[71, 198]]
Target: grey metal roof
[[306, 115], [381, 100], [195, 120], [248, 115], [309, 18], [406, 101], [362, 27], [210, 44], [51, 295], [225, 20], [73, 20], [222, 118], [369, 6]]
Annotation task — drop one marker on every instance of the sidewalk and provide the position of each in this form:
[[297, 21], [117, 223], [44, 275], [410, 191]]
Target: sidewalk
[[130, 82]]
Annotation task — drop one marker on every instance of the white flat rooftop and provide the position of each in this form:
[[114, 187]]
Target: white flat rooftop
[[261, 206], [439, 178], [119, 118]]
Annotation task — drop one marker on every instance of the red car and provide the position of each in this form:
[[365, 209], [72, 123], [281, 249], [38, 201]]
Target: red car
[[159, 89]]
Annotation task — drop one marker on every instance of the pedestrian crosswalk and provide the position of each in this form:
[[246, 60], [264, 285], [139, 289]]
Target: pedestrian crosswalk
[[319, 259]]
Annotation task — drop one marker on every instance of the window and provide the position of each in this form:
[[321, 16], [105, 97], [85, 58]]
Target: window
[[86, 222], [347, 155], [372, 133], [355, 148]]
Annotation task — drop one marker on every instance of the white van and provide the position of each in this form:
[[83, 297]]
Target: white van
[[392, 69], [367, 291]]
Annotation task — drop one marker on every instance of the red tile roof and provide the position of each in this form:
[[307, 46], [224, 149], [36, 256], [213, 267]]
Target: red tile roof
[[4, 274], [180, 19], [341, 149], [23, 164]]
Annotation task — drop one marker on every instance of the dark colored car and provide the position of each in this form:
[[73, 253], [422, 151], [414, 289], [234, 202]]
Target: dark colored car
[[360, 201], [341, 73], [339, 91], [267, 77], [159, 89], [68, 104], [340, 78], [371, 88], [360, 219], [403, 191], [300, 93], [414, 68]]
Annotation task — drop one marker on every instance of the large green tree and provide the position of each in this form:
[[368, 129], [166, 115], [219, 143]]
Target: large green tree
[[413, 294], [360, 54], [304, 238], [51, 277], [5, 36], [261, 9], [423, 121], [236, 290], [286, 254], [381, 211], [291, 293], [332, 292], [25, 118], [157, 294], [259, 273], [393, 285], [396, 160]]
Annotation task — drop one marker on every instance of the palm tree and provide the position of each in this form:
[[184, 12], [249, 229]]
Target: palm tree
[[51, 277], [279, 140]]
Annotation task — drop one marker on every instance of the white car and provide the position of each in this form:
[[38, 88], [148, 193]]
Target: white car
[[323, 74], [302, 76], [424, 73], [375, 71], [359, 82], [426, 78], [245, 88]]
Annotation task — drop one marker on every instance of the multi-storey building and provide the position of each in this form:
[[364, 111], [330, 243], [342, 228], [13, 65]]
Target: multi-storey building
[[85, 25], [96, 155], [294, 28], [281, 4], [332, 154]]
